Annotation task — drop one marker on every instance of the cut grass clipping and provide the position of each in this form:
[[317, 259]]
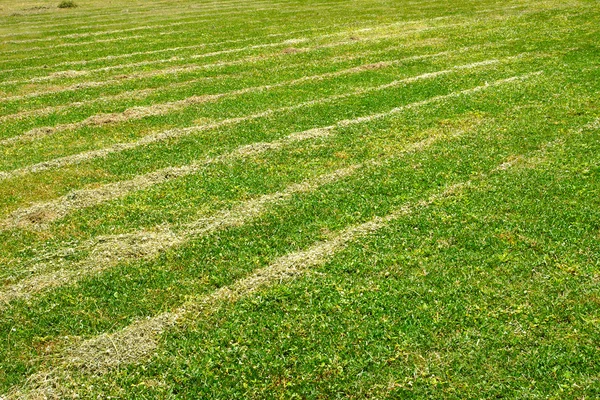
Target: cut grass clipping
[[67, 4], [300, 199]]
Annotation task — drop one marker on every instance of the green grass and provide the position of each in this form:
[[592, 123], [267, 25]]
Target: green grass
[[447, 249]]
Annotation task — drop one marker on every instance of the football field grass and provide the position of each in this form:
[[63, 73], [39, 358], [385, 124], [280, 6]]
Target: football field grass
[[300, 199]]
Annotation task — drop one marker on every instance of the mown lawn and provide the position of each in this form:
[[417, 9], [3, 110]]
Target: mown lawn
[[300, 199]]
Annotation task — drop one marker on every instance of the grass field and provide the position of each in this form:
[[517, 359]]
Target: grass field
[[300, 199]]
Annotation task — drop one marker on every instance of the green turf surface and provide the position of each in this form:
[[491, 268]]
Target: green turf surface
[[300, 199]]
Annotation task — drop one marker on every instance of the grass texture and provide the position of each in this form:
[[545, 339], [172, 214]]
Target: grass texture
[[300, 199]]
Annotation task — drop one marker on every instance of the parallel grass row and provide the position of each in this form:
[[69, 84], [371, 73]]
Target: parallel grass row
[[317, 199]]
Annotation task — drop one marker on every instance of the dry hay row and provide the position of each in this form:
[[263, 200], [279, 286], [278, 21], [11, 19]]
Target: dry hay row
[[73, 74], [399, 23], [164, 50], [109, 249], [340, 33], [350, 34], [194, 20], [140, 37], [182, 132], [47, 48], [180, 19], [153, 14], [142, 93], [138, 341], [188, 68], [175, 70], [140, 112], [88, 14], [39, 215]]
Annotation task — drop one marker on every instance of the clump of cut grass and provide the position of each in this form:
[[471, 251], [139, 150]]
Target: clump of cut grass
[[67, 4]]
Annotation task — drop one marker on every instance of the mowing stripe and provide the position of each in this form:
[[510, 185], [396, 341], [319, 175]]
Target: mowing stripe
[[128, 37], [152, 11], [136, 94], [84, 62], [150, 74], [109, 40], [62, 74], [35, 30], [139, 340], [78, 199], [188, 68], [127, 20], [160, 26], [107, 251], [92, 13], [182, 132], [141, 93], [195, 14], [389, 25], [127, 55], [39, 215], [214, 13], [140, 112], [194, 21], [192, 68], [164, 50], [503, 17], [70, 329]]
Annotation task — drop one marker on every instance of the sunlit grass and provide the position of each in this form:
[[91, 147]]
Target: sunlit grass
[[299, 199]]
